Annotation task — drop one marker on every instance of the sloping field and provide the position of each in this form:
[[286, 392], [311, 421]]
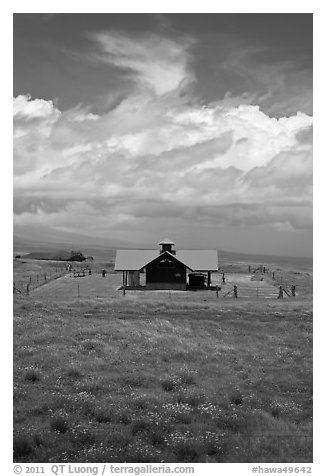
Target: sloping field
[[35, 273], [160, 376]]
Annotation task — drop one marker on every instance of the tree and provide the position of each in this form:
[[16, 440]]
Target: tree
[[77, 256]]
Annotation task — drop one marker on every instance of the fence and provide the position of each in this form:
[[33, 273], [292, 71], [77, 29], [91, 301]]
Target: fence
[[273, 284], [276, 277], [26, 283]]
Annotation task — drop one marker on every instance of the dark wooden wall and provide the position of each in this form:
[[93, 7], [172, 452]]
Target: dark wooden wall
[[170, 271]]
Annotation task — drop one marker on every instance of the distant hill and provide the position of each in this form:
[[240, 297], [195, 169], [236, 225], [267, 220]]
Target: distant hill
[[60, 255], [100, 249], [103, 250], [45, 239], [299, 263]]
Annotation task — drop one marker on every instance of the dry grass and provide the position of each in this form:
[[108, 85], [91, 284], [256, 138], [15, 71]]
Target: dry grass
[[152, 377], [35, 273], [161, 377]]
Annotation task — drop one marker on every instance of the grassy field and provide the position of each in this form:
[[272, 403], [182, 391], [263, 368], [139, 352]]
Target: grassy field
[[161, 377], [35, 273]]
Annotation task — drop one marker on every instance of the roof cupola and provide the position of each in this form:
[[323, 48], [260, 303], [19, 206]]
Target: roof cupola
[[167, 245]]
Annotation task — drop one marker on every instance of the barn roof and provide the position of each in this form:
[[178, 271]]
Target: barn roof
[[196, 260], [133, 260], [199, 260]]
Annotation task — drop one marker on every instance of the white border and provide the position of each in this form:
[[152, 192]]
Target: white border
[[168, 6]]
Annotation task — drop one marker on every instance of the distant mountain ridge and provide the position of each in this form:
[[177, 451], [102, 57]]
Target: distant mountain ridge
[[60, 255], [23, 246], [28, 236]]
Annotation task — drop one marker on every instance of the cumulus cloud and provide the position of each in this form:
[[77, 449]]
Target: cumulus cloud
[[25, 108], [158, 155], [224, 161]]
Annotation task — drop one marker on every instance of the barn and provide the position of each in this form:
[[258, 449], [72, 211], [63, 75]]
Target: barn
[[166, 267]]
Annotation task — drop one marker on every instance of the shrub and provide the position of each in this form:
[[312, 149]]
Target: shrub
[[185, 418], [184, 378], [32, 375], [22, 446], [170, 384], [187, 377], [123, 415], [74, 372], [213, 443], [142, 402], [139, 452], [137, 381], [188, 450], [92, 345], [157, 437], [229, 419], [190, 397], [285, 409], [275, 410], [59, 422], [140, 425], [236, 397], [193, 448], [119, 437], [83, 437], [178, 412], [38, 439], [103, 415]]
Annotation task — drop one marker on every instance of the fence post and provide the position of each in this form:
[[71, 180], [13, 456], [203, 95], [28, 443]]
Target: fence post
[[78, 290], [293, 290], [249, 268], [257, 291], [223, 278], [216, 291], [235, 291], [273, 275], [27, 289], [44, 276], [280, 293]]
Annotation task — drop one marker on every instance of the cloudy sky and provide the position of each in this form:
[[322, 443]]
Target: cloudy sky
[[133, 127]]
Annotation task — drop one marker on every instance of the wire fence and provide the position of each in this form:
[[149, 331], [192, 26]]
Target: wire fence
[[26, 281], [25, 284], [270, 283]]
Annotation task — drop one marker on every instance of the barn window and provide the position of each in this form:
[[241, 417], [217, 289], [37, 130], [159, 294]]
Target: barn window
[[166, 263]]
